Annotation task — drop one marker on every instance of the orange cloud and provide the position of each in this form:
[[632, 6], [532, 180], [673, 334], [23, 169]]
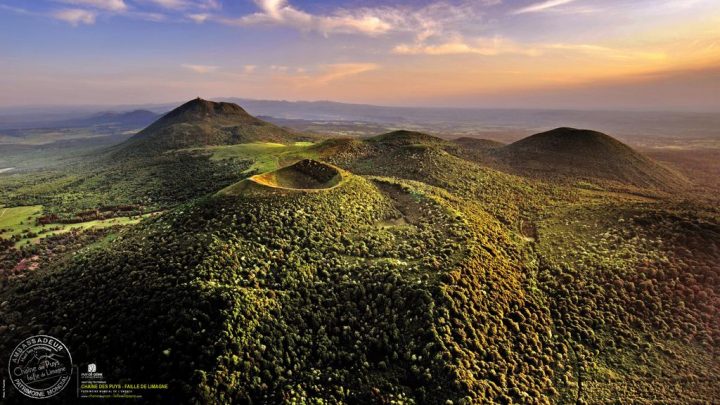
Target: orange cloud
[[76, 16]]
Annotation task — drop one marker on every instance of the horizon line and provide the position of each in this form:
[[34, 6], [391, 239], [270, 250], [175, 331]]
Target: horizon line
[[139, 105]]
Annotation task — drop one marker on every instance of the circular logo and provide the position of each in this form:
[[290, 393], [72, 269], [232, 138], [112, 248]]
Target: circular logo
[[40, 367]]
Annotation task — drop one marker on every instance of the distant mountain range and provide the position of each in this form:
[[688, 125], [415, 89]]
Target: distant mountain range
[[471, 120], [449, 121], [134, 119]]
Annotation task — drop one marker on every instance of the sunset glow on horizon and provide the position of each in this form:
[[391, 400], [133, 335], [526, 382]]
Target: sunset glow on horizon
[[662, 54]]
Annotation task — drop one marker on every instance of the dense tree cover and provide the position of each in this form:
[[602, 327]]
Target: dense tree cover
[[509, 198], [17, 262], [101, 187], [638, 291], [375, 290], [427, 279]]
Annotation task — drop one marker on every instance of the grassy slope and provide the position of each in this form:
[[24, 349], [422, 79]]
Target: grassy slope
[[21, 220], [81, 226], [266, 156], [15, 219]]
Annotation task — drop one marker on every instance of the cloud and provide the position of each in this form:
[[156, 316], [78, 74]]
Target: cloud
[[438, 30], [75, 16], [202, 69], [437, 18], [249, 68], [199, 18], [543, 6], [458, 46], [17, 10], [110, 5], [104, 8], [498, 46], [280, 12], [187, 4], [173, 4], [279, 68], [337, 71], [325, 74], [422, 22], [607, 52], [141, 15]]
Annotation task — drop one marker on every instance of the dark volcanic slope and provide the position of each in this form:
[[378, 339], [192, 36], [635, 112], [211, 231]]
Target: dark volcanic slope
[[200, 123], [403, 137], [584, 154]]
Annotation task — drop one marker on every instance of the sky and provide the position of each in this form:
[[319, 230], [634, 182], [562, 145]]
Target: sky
[[582, 54]]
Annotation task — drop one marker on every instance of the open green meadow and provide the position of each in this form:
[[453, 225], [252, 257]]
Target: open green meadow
[[266, 156], [21, 224]]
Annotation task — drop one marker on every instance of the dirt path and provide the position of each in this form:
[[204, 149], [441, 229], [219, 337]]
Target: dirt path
[[409, 208]]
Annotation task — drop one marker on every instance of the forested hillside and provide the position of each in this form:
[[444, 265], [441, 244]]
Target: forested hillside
[[402, 268]]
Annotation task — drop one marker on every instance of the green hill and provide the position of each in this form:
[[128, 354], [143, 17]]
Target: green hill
[[387, 270], [166, 164], [583, 154], [354, 293], [420, 157], [403, 138], [199, 123]]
